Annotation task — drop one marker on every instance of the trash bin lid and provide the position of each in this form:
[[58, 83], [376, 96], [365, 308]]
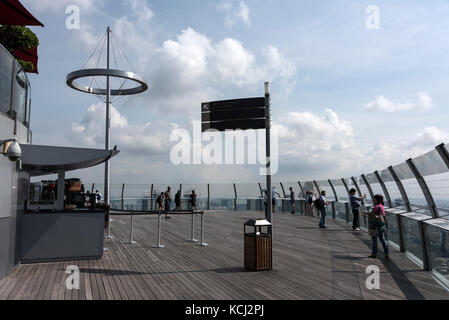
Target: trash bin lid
[[257, 223]]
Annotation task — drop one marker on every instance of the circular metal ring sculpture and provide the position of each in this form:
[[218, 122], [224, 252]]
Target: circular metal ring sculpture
[[86, 73]]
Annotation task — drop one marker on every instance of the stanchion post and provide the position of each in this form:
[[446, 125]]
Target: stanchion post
[[158, 231], [132, 230], [109, 227], [202, 243], [192, 229]]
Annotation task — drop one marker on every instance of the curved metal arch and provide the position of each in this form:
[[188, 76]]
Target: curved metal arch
[[401, 188], [317, 186], [370, 190], [283, 190], [384, 189], [333, 189], [86, 73]]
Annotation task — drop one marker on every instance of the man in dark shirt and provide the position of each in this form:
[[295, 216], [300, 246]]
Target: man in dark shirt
[[167, 202], [355, 206], [292, 199]]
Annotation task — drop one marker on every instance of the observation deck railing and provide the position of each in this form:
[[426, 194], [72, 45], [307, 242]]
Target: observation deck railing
[[416, 195]]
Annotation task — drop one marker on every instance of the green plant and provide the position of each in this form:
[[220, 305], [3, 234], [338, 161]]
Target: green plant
[[17, 37], [27, 66]]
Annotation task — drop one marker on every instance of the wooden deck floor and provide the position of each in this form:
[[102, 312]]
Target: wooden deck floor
[[309, 263]]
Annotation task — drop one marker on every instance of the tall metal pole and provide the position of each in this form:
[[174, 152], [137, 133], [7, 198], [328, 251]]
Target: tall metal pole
[[107, 169], [267, 149]]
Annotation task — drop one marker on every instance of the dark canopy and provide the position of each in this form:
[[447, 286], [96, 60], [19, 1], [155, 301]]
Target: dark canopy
[[12, 12]]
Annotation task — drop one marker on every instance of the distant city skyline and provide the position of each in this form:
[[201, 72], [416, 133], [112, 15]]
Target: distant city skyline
[[346, 99]]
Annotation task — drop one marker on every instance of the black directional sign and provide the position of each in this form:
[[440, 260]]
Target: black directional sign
[[234, 114]]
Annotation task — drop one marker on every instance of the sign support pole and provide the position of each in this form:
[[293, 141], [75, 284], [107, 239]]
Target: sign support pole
[[268, 153]]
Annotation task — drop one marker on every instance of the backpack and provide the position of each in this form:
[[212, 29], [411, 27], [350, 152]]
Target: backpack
[[310, 200], [98, 197], [318, 204]]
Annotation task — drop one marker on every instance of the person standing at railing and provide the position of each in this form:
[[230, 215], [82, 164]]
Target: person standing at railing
[[378, 225], [309, 204], [292, 199], [193, 203], [160, 202], [274, 192], [321, 205], [168, 199], [355, 206], [178, 200]]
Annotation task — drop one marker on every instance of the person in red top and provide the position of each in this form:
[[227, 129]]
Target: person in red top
[[378, 225]]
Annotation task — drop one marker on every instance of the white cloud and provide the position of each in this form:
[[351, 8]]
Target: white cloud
[[236, 11], [381, 103], [147, 139], [193, 66], [322, 147], [141, 10]]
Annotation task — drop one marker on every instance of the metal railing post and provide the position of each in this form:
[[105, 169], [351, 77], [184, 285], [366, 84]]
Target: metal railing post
[[132, 229], [426, 257], [158, 245], [401, 233], [401, 188], [192, 230], [151, 197], [317, 187], [425, 189], [202, 243], [235, 197], [122, 197], [208, 196], [333, 190], [384, 189]]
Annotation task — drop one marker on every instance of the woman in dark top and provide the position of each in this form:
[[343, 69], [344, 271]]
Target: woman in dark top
[[193, 200]]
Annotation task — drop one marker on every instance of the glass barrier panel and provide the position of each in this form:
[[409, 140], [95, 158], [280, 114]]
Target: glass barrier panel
[[325, 186], [20, 84], [340, 189], [393, 230], [430, 163], [412, 239], [437, 241], [412, 188], [248, 190], [364, 190], [439, 187], [340, 211], [6, 65]]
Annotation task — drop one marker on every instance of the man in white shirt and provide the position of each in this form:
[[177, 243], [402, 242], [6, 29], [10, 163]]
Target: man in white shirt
[[274, 192], [323, 204]]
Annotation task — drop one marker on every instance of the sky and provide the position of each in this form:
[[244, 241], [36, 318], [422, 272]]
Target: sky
[[346, 98]]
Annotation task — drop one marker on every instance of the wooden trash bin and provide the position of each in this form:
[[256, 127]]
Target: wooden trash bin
[[258, 245]]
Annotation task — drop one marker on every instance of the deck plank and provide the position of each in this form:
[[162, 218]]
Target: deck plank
[[309, 263]]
